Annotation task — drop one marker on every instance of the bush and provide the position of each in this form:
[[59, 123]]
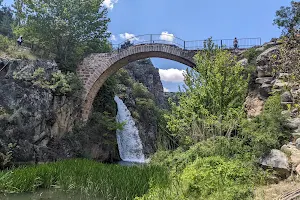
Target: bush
[[213, 178], [266, 131], [251, 54], [5, 43], [140, 91], [60, 83]]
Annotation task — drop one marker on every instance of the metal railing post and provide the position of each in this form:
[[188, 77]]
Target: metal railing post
[[184, 45], [150, 38], [259, 41], [221, 44]]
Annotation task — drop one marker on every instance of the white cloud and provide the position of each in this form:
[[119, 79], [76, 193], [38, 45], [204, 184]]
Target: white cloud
[[109, 3], [171, 75], [113, 38], [167, 36], [128, 36], [166, 90]]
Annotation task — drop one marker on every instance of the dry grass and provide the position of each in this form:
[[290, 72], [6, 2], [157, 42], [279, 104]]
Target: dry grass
[[274, 191]]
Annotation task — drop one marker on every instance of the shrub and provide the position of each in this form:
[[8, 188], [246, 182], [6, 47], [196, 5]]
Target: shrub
[[140, 91], [266, 131], [251, 54], [60, 83], [213, 178], [4, 43]]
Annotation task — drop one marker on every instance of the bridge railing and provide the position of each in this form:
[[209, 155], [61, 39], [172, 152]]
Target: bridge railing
[[170, 39]]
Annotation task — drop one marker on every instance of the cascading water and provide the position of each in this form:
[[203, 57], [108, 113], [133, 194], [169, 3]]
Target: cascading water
[[129, 141]]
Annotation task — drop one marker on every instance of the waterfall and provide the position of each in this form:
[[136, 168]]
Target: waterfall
[[129, 141]]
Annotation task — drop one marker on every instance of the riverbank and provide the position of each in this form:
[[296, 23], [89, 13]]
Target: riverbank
[[104, 181]]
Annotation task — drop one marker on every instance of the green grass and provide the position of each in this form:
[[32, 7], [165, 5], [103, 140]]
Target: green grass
[[84, 176]]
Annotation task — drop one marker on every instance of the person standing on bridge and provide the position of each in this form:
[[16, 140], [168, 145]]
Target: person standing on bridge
[[235, 43]]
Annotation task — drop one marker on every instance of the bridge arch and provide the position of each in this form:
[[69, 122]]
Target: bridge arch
[[95, 69]]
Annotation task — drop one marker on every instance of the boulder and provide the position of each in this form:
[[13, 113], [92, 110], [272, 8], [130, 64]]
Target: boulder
[[253, 106], [283, 76], [296, 135], [265, 90], [263, 80], [278, 161], [260, 49], [279, 84], [243, 62], [293, 154], [268, 44], [264, 71], [263, 58], [286, 97], [298, 169], [298, 144], [292, 123]]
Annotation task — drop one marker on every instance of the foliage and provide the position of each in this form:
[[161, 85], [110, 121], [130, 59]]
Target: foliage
[[84, 176], [222, 167], [213, 99], [287, 61], [123, 78], [6, 18], [266, 131], [69, 29], [140, 91], [288, 18], [60, 83], [4, 43], [209, 178], [251, 54]]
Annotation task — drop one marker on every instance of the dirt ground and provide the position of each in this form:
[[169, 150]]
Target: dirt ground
[[274, 191]]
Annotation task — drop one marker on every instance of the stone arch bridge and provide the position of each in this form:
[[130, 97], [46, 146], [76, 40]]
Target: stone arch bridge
[[96, 68]]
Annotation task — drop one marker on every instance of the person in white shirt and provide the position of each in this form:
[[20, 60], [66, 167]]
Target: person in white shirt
[[20, 40]]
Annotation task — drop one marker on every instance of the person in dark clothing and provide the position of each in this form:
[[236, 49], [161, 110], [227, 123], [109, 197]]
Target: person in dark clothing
[[235, 43]]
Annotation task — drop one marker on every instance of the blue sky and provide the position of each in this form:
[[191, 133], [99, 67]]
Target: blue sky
[[192, 20]]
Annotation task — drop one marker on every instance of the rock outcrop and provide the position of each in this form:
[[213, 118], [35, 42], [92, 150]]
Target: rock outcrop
[[141, 90], [33, 119], [278, 161], [144, 72]]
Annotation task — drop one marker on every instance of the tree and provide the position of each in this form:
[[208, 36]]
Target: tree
[[6, 19], [288, 18], [19, 14], [67, 28], [213, 101]]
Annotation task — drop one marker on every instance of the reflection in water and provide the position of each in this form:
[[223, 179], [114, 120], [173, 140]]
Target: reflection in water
[[48, 195]]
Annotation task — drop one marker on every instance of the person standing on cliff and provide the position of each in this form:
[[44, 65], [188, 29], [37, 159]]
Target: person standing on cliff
[[235, 43]]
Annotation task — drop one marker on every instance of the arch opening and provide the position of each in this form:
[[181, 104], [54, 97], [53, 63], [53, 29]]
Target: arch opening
[[109, 64]]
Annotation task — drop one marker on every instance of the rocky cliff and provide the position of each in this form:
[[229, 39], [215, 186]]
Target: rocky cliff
[[140, 87], [143, 71], [33, 117]]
